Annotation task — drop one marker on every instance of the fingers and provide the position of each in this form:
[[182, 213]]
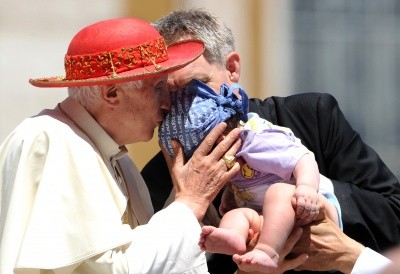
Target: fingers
[[199, 180], [228, 146], [176, 162], [307, 203], [168, 158], [307, 212], [208, 142], [287, 264], [234, 147], [293, 263], [179, 157]]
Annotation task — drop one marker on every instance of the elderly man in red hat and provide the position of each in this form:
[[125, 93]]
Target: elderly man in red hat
[[72, 201]]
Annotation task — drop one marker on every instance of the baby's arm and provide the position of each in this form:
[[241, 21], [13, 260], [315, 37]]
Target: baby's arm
[[306, 199]]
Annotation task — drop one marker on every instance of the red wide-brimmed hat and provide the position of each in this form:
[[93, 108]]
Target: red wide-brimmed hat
[[120, 50]]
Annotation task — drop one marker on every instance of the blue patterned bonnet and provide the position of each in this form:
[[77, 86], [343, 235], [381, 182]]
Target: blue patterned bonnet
[[195, 110]]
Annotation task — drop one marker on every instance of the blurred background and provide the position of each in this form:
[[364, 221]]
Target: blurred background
[[350, 49]]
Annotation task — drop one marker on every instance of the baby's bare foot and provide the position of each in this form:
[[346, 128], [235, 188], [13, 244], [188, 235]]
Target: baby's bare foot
[[221, 240], [255, 260]]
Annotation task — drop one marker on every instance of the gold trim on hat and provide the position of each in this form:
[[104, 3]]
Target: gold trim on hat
[[80, 67]]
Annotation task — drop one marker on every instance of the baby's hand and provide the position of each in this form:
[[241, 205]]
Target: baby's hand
[[306, 203]]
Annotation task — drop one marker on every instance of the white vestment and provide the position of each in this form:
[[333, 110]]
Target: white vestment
[[64, 190]]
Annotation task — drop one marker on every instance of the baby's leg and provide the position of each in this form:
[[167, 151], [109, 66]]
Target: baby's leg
[[279, 220], [231, 237]]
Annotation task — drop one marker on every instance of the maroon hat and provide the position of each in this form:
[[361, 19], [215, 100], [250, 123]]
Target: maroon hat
[[120, 50]]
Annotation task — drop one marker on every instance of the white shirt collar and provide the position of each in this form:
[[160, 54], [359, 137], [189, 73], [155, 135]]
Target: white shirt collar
[[81, 117]]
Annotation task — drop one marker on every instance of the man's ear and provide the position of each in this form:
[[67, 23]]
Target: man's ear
[[232, 65], [111, 94]]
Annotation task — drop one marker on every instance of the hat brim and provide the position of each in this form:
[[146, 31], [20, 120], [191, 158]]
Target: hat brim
[[179, 55]]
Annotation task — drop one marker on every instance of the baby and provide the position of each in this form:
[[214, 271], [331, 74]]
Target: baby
[[279, 186]]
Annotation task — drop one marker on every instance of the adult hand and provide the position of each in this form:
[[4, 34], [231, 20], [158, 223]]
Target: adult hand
[[322, 247], [285, 264], [327, 246], [393, 255], [198, 181]]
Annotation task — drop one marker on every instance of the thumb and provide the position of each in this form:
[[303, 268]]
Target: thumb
[[289, 264], [167, 157], [178, 158]]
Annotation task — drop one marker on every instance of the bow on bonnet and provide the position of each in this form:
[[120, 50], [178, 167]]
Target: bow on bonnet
[[196, 109]]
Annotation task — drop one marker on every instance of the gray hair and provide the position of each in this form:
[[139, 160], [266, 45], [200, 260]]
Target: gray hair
[[90, 96], [202, 25]]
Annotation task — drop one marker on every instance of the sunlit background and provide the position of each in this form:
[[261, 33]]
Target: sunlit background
[[350, 49]]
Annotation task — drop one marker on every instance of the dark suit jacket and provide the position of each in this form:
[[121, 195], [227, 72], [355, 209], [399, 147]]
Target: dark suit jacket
[[368, 192]]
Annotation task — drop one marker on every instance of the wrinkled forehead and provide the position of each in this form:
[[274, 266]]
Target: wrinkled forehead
[[200, 69], [181, 80]]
